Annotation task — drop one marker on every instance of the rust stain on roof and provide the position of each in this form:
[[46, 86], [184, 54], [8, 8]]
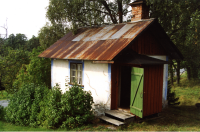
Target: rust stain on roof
[[97, 43]]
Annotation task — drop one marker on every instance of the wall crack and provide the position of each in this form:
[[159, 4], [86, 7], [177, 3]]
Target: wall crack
[[90, 85]]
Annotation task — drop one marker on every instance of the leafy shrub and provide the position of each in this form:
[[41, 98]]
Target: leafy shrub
[[2, 112], [23, 106], [38, 71], [52, 114], [77, 106], [68, 110], [35, 105]]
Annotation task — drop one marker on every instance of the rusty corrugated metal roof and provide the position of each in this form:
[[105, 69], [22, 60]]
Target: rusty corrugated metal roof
[[96, 43]]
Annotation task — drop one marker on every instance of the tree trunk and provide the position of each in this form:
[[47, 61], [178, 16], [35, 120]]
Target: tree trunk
[[171, 74], [178, 72], [119, 2], [188, 73]]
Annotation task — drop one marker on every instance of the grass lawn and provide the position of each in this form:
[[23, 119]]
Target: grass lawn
[[185, 117], [9, 127]]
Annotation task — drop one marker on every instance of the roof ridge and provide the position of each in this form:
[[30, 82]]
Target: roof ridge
[[104, 25]]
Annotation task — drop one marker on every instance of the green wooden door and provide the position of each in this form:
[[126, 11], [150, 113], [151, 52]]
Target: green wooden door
[[137, 83]]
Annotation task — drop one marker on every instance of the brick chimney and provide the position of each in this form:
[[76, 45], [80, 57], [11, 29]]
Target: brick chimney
[[139, 10]]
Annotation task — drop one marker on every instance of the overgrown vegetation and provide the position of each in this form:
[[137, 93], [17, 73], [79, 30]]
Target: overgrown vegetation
[[2, 112], [4, 95], [23, 106], [171, 95], [36, 105], [10, 66], [19, 62], [38, 71]]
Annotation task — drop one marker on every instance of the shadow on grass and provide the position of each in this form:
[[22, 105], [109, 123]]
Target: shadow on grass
[[178, 118]]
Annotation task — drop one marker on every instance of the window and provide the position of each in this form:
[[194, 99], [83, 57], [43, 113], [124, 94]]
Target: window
[[76, 73]]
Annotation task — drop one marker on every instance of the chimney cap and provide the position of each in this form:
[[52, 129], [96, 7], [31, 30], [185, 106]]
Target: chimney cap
[[137, 2]]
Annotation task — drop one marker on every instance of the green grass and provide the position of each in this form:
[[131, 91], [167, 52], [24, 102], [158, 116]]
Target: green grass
[[185, 117], [4, 126], [188, 91], [9, 127]]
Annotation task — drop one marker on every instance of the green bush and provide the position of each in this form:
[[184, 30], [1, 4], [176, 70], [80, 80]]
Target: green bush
[[2, 112], [68, 110], [23, 106], [77, 106], [52, 114], [35, 105]]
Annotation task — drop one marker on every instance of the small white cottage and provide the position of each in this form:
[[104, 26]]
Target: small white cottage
[[123, 65]]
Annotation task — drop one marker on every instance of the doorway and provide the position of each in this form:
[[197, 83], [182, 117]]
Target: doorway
[[125, 87]]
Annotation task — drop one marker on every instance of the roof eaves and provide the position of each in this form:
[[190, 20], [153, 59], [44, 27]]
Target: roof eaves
[[180, 56]]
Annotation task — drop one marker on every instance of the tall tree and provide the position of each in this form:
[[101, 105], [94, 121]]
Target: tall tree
[[38, 71], [16, 42], [2, 40], [10, 66], [50, 33], [177, 19], [192, 47], [32, 43], [79, 13]]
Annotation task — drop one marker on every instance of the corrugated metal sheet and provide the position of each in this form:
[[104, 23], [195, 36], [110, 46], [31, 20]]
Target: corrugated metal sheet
[[97, 43]]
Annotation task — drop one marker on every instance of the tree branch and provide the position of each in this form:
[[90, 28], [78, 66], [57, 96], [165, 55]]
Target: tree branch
[[113, 18]]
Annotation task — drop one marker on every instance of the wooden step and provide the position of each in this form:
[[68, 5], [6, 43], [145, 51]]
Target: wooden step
[[119, 114], [112, 121]]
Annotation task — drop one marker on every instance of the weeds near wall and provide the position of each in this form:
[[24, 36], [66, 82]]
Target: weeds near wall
[[171, 96]]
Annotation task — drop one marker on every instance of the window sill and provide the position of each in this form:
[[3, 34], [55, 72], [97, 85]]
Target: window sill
[[73, 84]]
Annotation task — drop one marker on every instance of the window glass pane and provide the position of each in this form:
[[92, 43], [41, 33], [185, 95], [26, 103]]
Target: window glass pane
[[79, 81], [80, 67], [73, 66], [73, 79], [79, 74], [74, 73]]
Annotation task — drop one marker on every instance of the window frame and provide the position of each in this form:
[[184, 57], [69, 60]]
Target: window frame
[[82, 72]]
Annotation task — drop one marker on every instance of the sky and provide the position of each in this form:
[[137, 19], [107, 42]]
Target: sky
[[23, 16]]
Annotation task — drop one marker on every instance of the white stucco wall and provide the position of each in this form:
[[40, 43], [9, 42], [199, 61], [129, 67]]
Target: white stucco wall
[[96, 79], [59, 72], [165, 79]]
